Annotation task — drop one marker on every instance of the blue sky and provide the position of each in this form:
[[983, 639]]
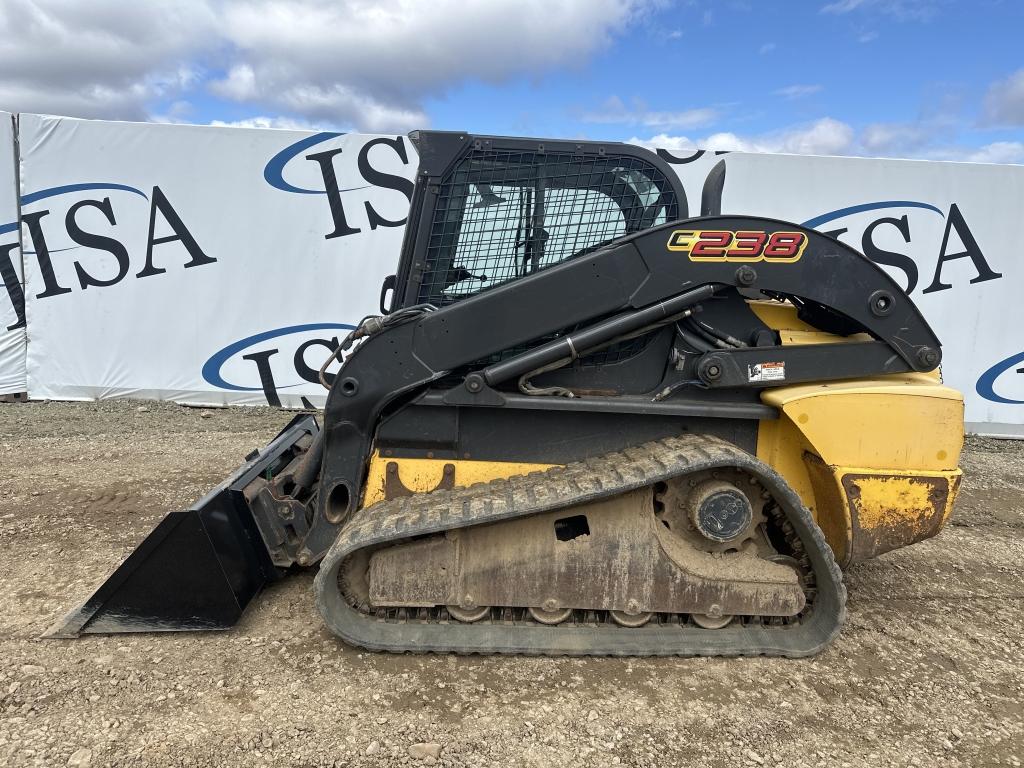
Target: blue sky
[[937, 79], [915, 76]]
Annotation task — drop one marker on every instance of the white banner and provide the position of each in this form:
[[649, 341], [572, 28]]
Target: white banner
[[201, 265], [949, 233], [12, 304], [219, 265]]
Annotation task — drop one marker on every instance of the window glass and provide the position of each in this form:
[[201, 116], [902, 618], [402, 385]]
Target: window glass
[[501, 215]]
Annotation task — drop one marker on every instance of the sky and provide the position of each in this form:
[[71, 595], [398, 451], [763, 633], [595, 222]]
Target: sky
[[932, 79]]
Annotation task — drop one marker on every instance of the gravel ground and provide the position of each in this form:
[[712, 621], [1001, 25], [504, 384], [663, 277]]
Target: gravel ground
[[928, 671]]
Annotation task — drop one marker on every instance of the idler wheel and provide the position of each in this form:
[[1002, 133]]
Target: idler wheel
[[719, 511]]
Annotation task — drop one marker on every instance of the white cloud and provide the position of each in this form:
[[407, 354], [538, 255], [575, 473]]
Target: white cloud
[[615, 112], [345, 104], [665, 141], [1004, 101], [370, 64], [285, 123], [822, 137], [177, 112], [104, 58], [937, 125], [843, 6], [903, 10], [896, 138], [1002, 152], [833, 137], [373, 63], [798, 91], [767, 48], [240, 84], [998, 152]]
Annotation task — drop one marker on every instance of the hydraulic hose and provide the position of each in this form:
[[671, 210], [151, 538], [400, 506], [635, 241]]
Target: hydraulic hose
[[368, 326], [572, 344]]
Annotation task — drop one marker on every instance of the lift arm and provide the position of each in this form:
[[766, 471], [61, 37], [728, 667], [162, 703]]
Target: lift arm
[[631, 281]]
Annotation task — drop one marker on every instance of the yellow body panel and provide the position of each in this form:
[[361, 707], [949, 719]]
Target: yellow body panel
[[422, 475], [780, 316], [875, 460]]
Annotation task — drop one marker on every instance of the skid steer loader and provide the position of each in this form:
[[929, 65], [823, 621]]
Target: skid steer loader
[[586, 424]]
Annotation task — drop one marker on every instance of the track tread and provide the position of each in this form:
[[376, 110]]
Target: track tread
[[561, 487]]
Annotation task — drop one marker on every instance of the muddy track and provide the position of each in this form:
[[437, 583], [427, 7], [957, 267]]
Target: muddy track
[[560, 488], [927, 671]]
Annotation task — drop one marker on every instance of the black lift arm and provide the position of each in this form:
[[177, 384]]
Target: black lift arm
[[631, 281]]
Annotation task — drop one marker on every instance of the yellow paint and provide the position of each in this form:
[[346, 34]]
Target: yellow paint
[[885, 500], [827, 494], [903, 424], [422, 475], [780, 316], [892, 510], [954, 488], [787, 337]]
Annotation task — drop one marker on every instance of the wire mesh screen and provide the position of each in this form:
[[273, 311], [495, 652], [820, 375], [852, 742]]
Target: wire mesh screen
[[502, 214]]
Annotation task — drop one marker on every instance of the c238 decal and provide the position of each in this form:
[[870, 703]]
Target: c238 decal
[[742, 245]]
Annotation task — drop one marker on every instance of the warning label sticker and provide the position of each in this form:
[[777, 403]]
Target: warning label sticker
[[766, 372]]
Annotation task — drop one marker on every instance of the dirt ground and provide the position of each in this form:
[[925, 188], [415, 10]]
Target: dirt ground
[[928, 670]]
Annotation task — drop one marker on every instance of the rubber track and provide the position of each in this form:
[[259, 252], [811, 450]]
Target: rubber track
[[559, 487]]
